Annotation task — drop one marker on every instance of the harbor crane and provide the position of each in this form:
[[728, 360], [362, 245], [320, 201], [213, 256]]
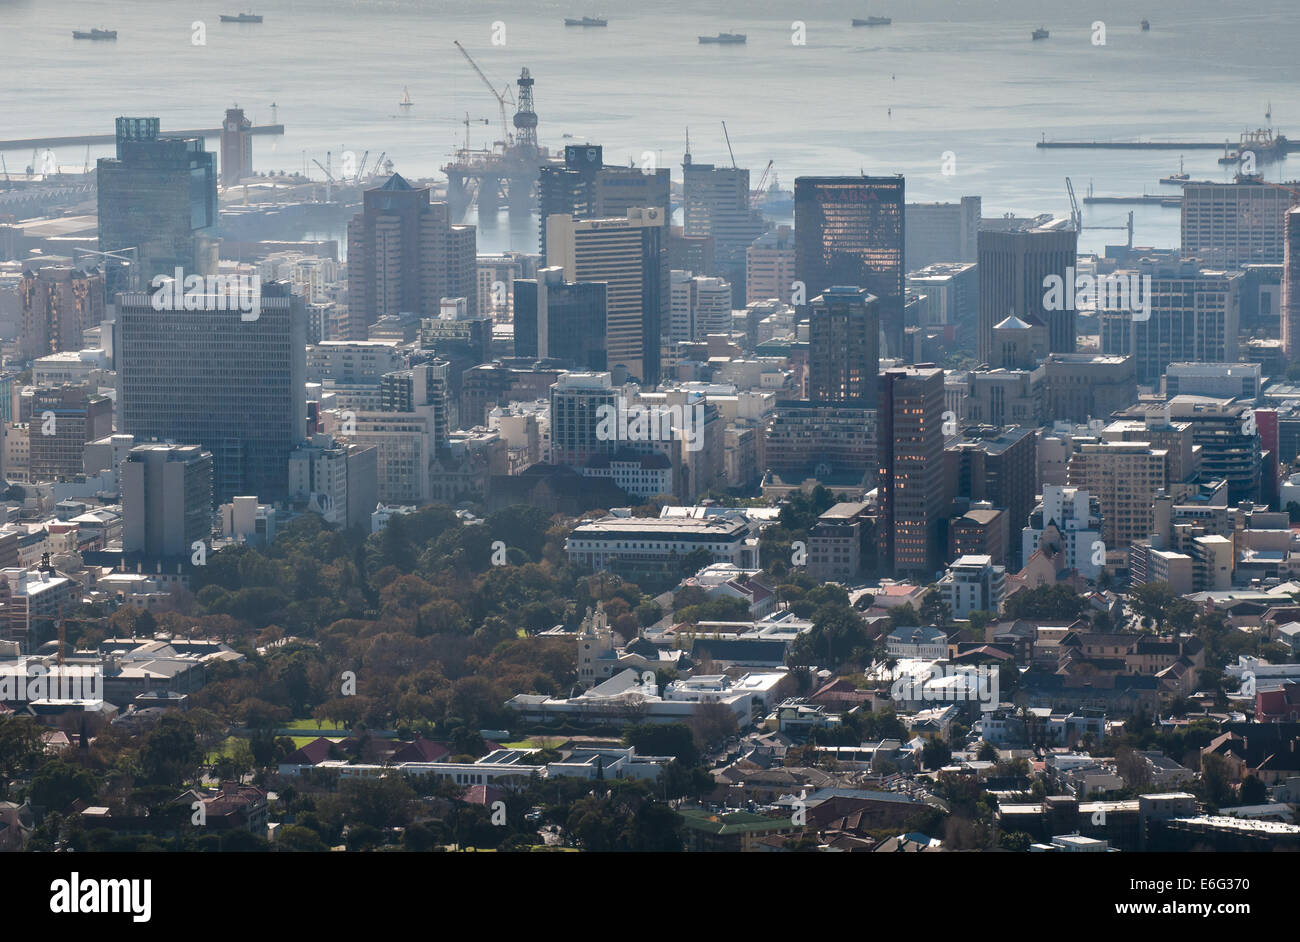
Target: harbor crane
[[1076, 216], [502, 97], [758, 190], [729, 150]]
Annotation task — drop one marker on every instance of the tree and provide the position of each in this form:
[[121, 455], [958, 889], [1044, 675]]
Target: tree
[[1252, 791], [663, 739], [935, 754], [21, 745], [171, 754], [58, 784]]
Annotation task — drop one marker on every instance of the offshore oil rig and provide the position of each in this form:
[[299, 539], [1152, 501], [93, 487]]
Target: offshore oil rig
[[507, 172]]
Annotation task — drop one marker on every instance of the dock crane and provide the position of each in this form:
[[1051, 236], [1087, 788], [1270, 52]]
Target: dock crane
[[758, 190], [502, 97], [1076, 216], [329, 176], [729, 150]]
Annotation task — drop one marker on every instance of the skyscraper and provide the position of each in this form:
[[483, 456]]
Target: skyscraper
[[159, 196], [844, 347], [628, 254], [1235, 223], [1013, 268], [911, 483], [1291, 286], [560, 320], [209, 377], [404, 255], [166, 499], [63, 421], [58, 304], [849, 231], [584, 188], [716, 203], [1193, 317]]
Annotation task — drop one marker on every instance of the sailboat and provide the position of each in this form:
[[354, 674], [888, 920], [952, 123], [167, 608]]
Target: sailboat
[[406, 99]]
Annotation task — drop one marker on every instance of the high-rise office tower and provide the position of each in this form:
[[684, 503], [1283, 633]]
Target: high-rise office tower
[[844, 347], [849, 231], [911, 483], [159, 196], [1235, 223], [560, 320], [58, 304], [208, 376], [716, 203], [404, 255], [769, 266], [583, 187], [1013, 269], [998, 465], [939, 233], [1291, 286], [697, 306], [236, 147], [166, 499], [1193, 317], [63, 421], [576, 414], [628, 254]]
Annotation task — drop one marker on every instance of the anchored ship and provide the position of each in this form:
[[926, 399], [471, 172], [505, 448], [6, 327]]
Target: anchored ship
[[94, 34], [726, 39], [241, 18], [1040, 33], [585, 21], [873, 21], [1177, 178]]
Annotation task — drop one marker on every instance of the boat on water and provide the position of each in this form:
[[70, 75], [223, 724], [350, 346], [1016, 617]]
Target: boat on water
[[406, 99], [94, 34], [725, 39], [873, 21], [1179, 178], [1040, 33], [241, 18], [1146, 26], [585, 21]]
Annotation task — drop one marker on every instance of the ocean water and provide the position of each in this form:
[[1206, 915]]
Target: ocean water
[[955, 79]]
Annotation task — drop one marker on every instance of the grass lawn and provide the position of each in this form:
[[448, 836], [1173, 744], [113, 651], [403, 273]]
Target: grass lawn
[[541, 742], [311, 725]]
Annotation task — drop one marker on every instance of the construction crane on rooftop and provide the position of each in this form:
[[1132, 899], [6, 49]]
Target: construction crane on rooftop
[[501, 97]]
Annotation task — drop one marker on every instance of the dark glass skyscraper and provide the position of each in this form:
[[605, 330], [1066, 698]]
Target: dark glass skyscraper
[[211, 377], [844, 347], [159, 196], [561, 320], [849, 231]]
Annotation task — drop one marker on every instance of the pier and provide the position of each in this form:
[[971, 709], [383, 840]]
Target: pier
[[1134, 200], [34, 143]]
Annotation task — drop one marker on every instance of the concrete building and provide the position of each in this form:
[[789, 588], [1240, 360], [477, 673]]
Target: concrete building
[[337, 480], [942, 232], [166, 500], [844, 347], [769, 266], [1219, 380], [562, 321], [64, 421], [1233, 224], [835, 544], [1069, 520], [951, 287], [1125, 478], [1081, 386], [630, 256], [404, 254], [1013, 270], [973, 584], [58, 305], [716, 205]]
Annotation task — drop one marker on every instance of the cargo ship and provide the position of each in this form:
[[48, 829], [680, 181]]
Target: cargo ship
[[1146, 26], [585, 21], [873, 21], [1260, 142], [1040, 33], [94, 34], [241, 18], [725, 39]]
